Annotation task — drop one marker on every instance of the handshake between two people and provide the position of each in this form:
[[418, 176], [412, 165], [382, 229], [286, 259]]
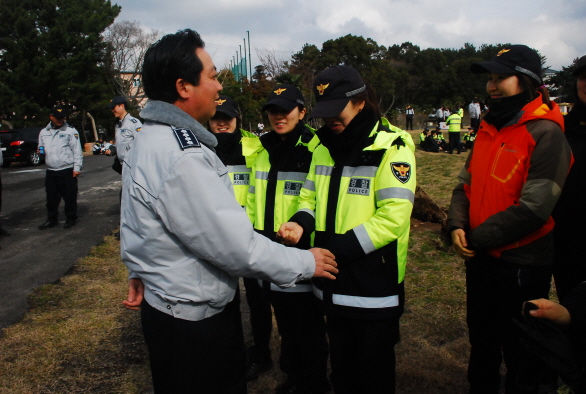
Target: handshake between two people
[[325, 262]]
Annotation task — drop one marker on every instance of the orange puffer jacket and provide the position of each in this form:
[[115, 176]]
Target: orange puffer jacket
[[510, 185]]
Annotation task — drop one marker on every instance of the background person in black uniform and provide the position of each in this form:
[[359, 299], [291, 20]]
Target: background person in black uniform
[[409, 114], [570, 212], [64, 161]]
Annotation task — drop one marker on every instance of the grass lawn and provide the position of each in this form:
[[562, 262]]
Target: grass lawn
[[77, 337]]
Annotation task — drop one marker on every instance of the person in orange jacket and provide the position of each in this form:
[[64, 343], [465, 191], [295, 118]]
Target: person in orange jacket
[[500, 213]]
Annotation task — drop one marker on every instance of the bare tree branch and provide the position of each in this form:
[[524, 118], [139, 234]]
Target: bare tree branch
[[129, 43], [274, 65]]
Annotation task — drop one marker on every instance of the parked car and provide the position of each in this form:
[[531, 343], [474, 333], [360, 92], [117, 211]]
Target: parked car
[[21, 145]]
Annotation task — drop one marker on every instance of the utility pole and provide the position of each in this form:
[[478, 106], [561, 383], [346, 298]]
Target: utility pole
[[249, 57], [245, 60], [241, 61]]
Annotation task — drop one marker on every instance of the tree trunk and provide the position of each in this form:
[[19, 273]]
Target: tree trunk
[[425, 209]]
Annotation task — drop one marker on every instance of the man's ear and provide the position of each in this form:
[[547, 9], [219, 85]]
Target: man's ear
[[183, 88]]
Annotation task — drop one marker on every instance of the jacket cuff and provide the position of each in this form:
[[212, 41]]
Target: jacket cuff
[[305, 220]]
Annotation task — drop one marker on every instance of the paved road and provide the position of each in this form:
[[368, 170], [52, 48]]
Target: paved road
[[29, 257]]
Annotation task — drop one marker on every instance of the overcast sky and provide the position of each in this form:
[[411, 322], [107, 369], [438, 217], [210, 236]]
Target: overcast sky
[[555, 28]]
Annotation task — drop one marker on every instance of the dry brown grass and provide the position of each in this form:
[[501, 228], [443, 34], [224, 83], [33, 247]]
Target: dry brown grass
[[77, 338]]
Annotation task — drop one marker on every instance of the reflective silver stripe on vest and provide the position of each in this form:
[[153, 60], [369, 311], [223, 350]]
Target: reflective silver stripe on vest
[[360, 302], [309, 211], [292, 176], [395, 192], [365, 171], [309, 185], [299, 288], [251, 189], [261, 175], [239, 168], [364, 239], [324, 170]]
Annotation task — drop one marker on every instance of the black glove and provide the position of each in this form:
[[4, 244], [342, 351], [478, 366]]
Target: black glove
[[549, 342]]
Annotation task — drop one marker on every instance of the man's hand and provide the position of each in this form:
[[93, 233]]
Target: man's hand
[[552, 311], [290, 233], [76, 173], [325, 264], [460, 244], [135, 294]]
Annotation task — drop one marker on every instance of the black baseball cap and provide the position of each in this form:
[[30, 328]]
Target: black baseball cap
[[58, 112], [285, 96], [333, 89], [115, 101], [580, 66], [227, 106], [513, 59]]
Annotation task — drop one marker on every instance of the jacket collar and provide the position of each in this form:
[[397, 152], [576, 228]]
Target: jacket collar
[[162, 112], [51, 128]]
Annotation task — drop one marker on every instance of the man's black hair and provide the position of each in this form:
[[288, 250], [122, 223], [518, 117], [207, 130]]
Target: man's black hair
[[169, 59]]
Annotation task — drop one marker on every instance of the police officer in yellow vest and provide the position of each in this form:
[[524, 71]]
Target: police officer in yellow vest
[[225, 125], [358, 198], [454, 123], [279, 170]]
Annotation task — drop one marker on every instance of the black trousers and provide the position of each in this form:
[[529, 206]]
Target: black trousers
[[495, 291], [304, 347], [362, 355], [409, 123], [61, 184], [196, 357], [454, 137], [475, 123], [261, 319]]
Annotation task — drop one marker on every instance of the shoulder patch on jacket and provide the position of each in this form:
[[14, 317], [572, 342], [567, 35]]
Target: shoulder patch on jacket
[[401, 171], [186, 138], [76, 136]]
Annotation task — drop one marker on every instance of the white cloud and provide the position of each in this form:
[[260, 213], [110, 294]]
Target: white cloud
[[284, 26]]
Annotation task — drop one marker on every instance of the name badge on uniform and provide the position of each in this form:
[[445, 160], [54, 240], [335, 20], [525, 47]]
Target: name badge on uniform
[[241, 179], [401, 171], [186, 138], [359, 186], [62, 135], [292, 188]]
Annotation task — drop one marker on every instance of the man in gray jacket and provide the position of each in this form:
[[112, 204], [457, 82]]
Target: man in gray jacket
[[126, 128], [60, 143], [184, 238]]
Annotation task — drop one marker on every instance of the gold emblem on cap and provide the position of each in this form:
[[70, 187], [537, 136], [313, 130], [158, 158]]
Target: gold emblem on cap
[[59, 110], [321, 88], [503, 51], [220, 101], [279, 91]]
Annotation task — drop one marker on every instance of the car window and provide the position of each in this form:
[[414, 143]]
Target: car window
[[7, 137]]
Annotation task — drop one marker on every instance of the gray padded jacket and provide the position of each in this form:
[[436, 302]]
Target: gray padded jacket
[[62, 147], [126, 130], [182, 231]]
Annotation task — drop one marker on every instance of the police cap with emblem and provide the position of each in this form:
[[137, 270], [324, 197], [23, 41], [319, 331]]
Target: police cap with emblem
[[58, 112], [115, 101], [227, 106], [513, 59], [285, 96], [333, 89]]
